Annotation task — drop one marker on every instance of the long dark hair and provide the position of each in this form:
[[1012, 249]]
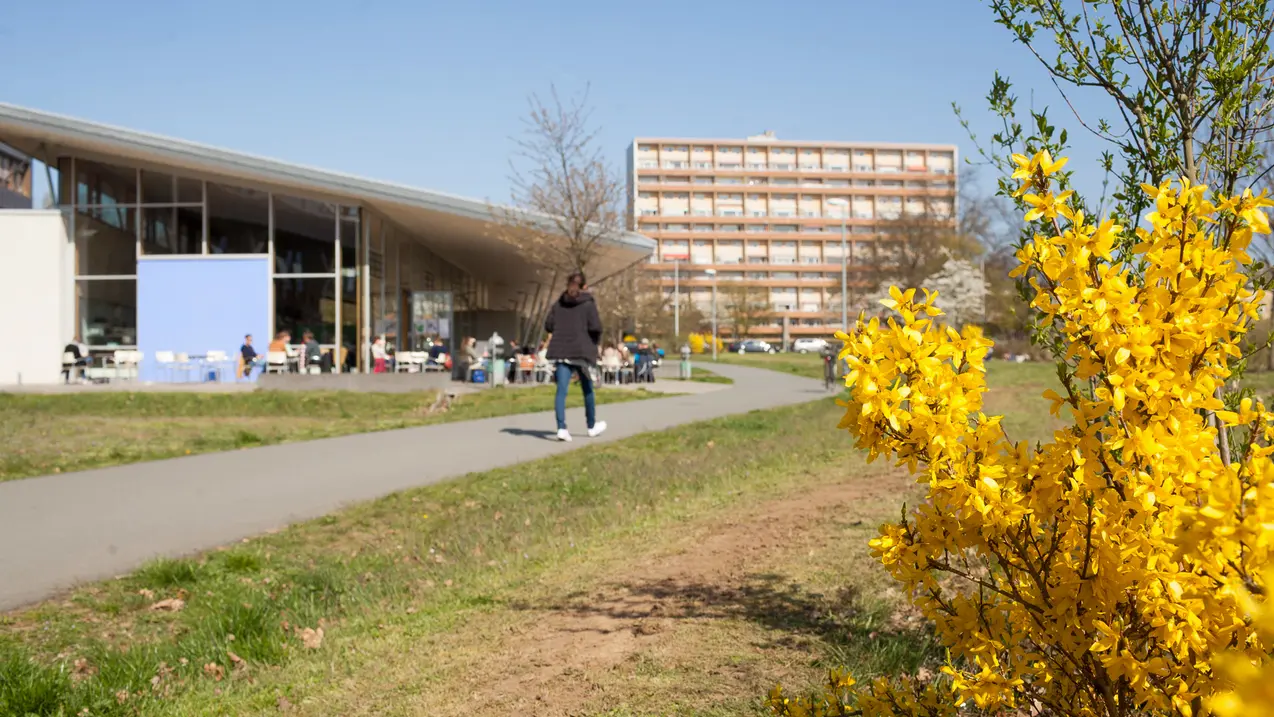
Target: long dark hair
[[575, 284]]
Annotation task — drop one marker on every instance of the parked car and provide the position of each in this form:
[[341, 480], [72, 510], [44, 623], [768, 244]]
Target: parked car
[[809, 346], [754, 346]]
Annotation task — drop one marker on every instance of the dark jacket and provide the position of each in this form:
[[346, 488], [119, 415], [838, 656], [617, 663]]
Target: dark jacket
[[575, 328]]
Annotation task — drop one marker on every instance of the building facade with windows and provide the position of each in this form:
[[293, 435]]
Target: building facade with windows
[[15, 179], [768, 214], [162, 245]]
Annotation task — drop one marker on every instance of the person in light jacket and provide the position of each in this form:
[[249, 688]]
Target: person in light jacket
[[575, 329]]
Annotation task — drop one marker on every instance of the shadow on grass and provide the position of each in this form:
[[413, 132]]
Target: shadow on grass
[[871, 637]]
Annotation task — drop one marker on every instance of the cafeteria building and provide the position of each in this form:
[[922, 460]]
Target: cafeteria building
[[152, 244]]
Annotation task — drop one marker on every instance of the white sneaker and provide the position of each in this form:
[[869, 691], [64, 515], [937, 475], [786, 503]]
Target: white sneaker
[[597, 429], [564, 435]]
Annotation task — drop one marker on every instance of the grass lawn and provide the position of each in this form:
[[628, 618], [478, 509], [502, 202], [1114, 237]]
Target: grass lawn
[[42, 434], [415, 588], [681, 572]]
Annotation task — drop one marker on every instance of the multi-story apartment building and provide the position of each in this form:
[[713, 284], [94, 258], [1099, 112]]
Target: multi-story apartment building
[[769, 214], [15, 179]]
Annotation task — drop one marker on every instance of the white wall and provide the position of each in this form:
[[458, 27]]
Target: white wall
[[33, 283]]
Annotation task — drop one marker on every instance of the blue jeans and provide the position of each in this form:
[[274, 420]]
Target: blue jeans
[[563, 378]]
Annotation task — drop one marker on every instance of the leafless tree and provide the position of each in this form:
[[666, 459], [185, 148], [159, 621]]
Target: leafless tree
[[745, 306], [567, 202]]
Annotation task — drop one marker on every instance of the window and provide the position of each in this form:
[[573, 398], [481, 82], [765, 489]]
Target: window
[[756, 213], [782, 166], [784, 227], [649, 179], [648, 227], [107, 311], [864, 182], [703, 165], [703, 180], [106, 241], [675, 227], [648, 164], [758, 180], [239, 221], [729, 227], [757, 228], [729, 180], [703, 227]]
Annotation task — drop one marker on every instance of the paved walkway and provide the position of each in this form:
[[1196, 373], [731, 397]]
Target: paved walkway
[[58, 530]]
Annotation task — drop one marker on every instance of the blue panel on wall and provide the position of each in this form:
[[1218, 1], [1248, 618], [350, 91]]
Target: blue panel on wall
[[198, 305]]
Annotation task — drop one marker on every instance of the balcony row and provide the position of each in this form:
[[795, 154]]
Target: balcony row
[[718, 167], [769, 188], [754, 217]]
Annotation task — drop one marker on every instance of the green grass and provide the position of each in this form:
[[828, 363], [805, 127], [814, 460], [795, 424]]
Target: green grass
[[444, 550], [42, 434], [703, 375]]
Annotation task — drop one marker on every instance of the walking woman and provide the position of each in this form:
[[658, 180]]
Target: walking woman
[[574, 329]]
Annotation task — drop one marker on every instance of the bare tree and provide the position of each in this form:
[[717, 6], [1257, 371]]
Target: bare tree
[[913, 247], [745, 306], [567, 202]]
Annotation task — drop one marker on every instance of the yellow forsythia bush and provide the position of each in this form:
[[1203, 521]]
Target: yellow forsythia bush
[[700, 343], [1121, 568]]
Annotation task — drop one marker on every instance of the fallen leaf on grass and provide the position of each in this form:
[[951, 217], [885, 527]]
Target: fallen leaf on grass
[[169, 605], [214, 671], [82, 670], [148, 594], [311, 638], [237, 661]]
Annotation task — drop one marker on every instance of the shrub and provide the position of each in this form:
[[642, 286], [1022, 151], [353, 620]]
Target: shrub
[[1120, 568]]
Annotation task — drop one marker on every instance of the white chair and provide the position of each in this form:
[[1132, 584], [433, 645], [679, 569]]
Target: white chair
[[126, 363], [165, 361], [276, 362], [183, 364], [216, 361], [611, 366], [72, 366], [543, 369], [405, 362], [436, 364]]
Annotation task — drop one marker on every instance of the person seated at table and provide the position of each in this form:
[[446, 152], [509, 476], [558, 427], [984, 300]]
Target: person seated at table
[[80, 352], [311, 354], [248, 356], [280, 343], [468, 357], [437, 350], [380, 359]]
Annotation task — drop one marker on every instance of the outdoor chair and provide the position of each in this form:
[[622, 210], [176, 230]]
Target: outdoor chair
[[125, 362], [276, 362], [610, 370], [215, 361], [543, 369], [526, 368], [183, 364], [405, 363], [438, 364], [71, 366]]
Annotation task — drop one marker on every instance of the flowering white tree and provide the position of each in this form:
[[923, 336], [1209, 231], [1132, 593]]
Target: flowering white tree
[[962, 290]]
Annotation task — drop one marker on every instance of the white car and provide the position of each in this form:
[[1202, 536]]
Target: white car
[[805, 346]]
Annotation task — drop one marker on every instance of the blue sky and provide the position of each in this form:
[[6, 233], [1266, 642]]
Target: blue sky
[[430, 93]]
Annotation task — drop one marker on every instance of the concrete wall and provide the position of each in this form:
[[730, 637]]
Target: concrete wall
[[197, 304], [33, 291]]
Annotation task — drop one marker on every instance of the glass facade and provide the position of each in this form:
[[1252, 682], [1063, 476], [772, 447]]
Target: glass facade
[[317, 251]]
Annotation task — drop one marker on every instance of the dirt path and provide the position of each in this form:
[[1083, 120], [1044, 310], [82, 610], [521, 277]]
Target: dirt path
[[720, 600]]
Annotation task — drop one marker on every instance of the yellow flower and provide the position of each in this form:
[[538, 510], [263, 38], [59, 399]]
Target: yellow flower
[[1125, 547]]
